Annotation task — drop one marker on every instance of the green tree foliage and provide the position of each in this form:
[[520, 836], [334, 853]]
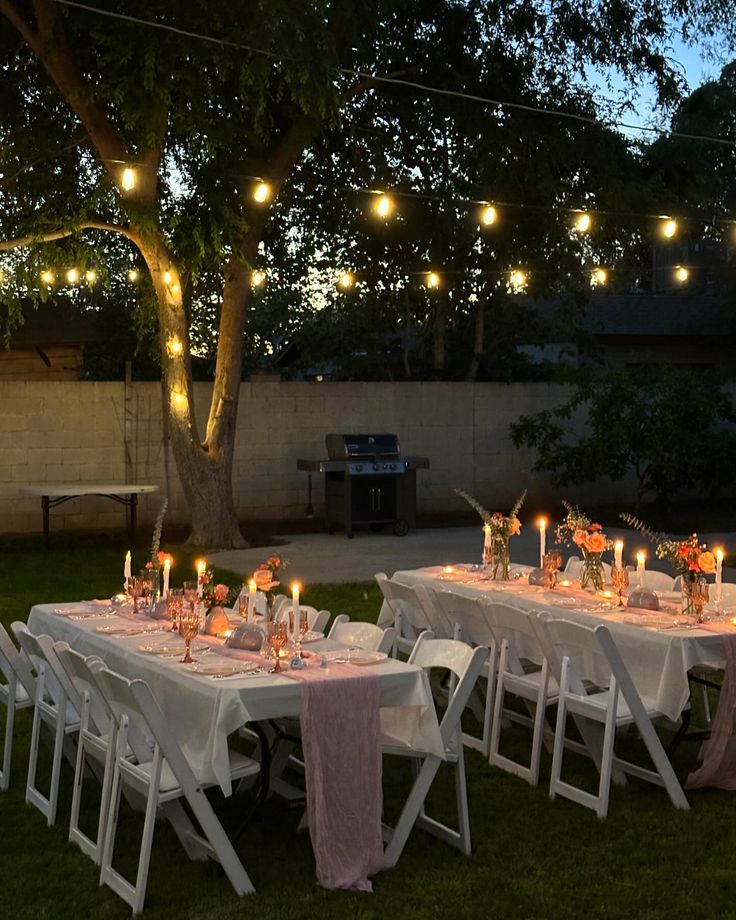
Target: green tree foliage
[[669, 431]]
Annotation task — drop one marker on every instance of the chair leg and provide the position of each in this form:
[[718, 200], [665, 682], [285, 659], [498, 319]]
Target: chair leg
[[559, 743], [609, 739], [8, 744], [411, 810], [461, 797]]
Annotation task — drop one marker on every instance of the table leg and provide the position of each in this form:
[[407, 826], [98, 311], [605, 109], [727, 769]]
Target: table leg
[[46, 515]]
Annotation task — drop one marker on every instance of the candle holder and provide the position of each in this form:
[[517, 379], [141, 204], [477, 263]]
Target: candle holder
[[620, 582], [552, 565]]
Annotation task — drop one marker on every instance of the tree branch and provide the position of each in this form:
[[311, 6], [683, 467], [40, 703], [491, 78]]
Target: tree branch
[[14, 17], [34, 240]]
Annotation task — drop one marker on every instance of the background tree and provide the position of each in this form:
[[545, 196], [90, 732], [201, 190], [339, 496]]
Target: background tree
[[669, 431], [202, 121]]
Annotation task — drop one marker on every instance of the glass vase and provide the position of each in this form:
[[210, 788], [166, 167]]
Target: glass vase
[[591, 573], [694, 597], [500, 559]]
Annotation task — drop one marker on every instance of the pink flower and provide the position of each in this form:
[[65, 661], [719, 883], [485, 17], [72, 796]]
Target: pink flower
[[579, 538]]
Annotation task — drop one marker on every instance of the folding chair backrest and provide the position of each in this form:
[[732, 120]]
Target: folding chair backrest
[[13, 662], [581, 646], [468, 613], [73, 694], [125, 709], [317, 619], [656, 581], [78, 670], [407, 605], [464, 662], [363, 635], [572, 566], [37, 658], [516, 628]]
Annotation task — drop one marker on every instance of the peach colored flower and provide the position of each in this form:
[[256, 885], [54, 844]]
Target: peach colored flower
[[515, 527], [579, 537], [707, 562], [596, 543], [262, 577]]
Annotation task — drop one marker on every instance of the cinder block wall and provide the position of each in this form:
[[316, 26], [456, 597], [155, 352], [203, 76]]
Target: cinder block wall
[[76, 432]]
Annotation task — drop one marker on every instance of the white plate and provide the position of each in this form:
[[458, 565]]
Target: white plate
[[127, 630], [653, 621], [357, 656], [312, 636], [172, 651], [81, 613], [226, 669]]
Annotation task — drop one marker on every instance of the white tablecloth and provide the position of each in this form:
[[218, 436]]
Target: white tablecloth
[[658, 660], [202, 712]]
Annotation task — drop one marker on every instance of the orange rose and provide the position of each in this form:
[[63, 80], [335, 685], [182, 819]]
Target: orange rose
[[515, 527], [262, 577], [579, 537], [596, 543], [707, 563]]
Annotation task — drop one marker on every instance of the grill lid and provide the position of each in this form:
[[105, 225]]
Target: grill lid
[[346, 446]]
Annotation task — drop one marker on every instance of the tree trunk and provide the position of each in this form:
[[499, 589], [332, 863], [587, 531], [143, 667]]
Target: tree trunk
[[478, 340]]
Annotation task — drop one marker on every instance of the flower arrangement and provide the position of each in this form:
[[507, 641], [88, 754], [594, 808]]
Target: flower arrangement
[[213, 595], [577, 528], [159, 560], [497, 528], [266, 576], [689, 557]]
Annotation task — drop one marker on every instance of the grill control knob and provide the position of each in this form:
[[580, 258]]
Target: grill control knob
[[358, 467], [376, 466], [392, 466], [385, 466]]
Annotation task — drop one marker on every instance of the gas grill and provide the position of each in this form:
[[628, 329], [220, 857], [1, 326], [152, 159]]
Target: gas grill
[[367, 481]]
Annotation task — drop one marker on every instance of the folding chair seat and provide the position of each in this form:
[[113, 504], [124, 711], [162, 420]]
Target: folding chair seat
[[595, 685], [16, 693], [523, 670], [471, 626], [362, 635], [51, 706], [465, 664], [96, 744], [413, 612], [161, 773]]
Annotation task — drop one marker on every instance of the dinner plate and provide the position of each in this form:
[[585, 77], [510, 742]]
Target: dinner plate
[[225, 668], [128, 630], [312, 636], [357, 656], [172, 651], [80, 613], [654, 622]]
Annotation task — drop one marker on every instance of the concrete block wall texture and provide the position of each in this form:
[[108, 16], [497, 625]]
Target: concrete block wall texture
[[75, 431]]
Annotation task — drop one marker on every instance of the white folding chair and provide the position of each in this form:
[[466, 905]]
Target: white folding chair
[[316, 619], [574, 566], [655, 580], [468, 615], [16, 693], [413, 611], [52, 707], [162, 774], [517, 642], [96, 744], [595, 685], [362, 635], [465, 663]]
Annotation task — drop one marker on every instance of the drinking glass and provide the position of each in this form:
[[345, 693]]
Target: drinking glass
[[552, 564], [174, 605], [135, 589], [620, 582], [189, 622], [190, 592], [277, 636], [146, 578]]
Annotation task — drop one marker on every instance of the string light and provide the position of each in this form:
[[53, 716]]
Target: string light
[[262, 192], [669, 228], [599, 276], [488, 215], [257, 278], [174, 346], [167, 277], [127, 181], [72, 276], [90, 276], [133, 274], [47, 276], [517, 280], [433, 280], [681, 274], [179, 400], [582, 222], [345, 280], [383, 206]]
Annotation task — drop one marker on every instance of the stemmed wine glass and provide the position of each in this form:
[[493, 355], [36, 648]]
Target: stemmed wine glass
[[700, 593], [552, 565], [174, 605], [189, 622], [277, 636], [620, 582], [191, 595], [135, 589]]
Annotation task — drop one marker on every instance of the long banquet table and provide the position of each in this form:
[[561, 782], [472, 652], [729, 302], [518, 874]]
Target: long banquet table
[[202, 711], [658, 657]]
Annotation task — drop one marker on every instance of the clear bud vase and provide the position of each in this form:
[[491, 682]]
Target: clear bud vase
[[694, 597], [500, 559], [591, 573]]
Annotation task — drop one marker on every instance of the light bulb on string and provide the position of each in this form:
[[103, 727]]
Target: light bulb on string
[[668, 228], [127, 180], [179, 400], [47, 276], [345, 280], [488, 215], [517, 280], [167, 277], [174, 346], [598, 277], [262, 192], [72, 276], [432, 280], [681, 274], [257, 278], [383, 206], [583, 222], [133, 274], [90, 276]]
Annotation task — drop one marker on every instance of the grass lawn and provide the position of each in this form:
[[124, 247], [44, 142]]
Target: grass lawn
[[533, 858]]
